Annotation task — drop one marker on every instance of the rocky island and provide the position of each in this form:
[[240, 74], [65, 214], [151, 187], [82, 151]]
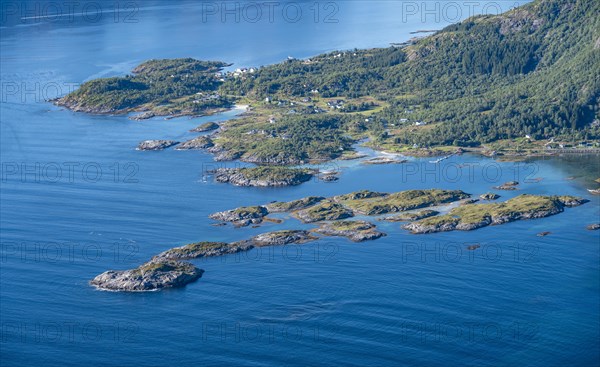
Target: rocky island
[[355, 231], [464, 217], [470, 217], [263, 176], [152, 276], [201, 249], [166, 270], [243, 216], [156, 144], [318, 209]]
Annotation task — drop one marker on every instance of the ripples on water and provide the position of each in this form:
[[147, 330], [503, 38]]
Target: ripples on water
[[526, 301]]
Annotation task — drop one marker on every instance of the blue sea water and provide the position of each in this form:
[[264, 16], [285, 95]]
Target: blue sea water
[[77, 199]]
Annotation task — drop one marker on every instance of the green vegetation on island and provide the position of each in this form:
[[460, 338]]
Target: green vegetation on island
[[525, 80], [324, 211], [280, 207], [163, 87], [470, 217], [410, 217], [165, 270], [355, 231], [403, 201], [207, 126], [263, 176]]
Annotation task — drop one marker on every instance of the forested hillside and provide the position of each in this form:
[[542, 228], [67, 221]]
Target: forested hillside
[[534, 70]]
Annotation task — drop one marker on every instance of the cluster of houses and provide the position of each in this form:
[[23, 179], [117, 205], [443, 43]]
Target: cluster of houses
[[201, 97], [222, 76], [337, 104], [242, 71], [297, 108], [268, 134]]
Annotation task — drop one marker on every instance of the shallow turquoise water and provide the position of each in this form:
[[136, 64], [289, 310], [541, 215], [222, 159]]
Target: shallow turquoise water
[[401, 300]]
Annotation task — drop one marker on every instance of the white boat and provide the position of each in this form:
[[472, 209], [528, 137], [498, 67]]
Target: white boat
[[440, 159]]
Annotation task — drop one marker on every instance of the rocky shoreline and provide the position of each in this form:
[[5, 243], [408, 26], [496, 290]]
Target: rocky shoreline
[[201, 142], [156, 144], [474, 216], [166, 270]]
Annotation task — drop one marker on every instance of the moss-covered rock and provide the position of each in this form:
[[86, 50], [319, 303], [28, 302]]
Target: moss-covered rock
[[356, 231], [359, 195], [281, 207], [207, 126], [201, 249], [410, 217], [242, 216], [323, 212], [263, 176], [470, 217], [284, 237], [201, 142], [404, 200]]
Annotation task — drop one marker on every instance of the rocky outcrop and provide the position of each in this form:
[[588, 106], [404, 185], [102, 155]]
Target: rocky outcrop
[[470, 217], [403, 201], [489, 196], [323, 212], [221, 154], [243, 216], [329, 178], [355, 231], [359, 195], [156, 144], [78, 105], [245, 177], [201, 142], [571, 201], [202, 249], [593, 227], [152, 276], [508, 186], [143, 116], [410, 217], [384, 160], [284, 237], [208, 126], [449, 224], [282, 207]]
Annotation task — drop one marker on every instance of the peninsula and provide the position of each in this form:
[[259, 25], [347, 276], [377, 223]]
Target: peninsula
[[521, 82]]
